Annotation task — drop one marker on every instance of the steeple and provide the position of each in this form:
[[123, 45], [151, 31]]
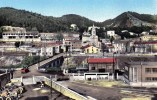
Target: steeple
[[93, 30]]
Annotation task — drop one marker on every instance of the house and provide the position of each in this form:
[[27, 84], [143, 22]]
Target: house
[[148, 38], [73, 27], [76, 45], [101, 64], [139, 71], [90, 49], [111, 33], [122, 46], [50, 49]]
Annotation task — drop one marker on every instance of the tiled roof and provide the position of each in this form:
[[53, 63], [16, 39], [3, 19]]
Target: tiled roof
[[101, 60]]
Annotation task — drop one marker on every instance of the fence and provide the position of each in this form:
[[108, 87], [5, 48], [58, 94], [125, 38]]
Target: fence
[[64, 90]]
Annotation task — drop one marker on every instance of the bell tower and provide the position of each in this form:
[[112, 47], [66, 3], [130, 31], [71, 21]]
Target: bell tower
[[93, 31]]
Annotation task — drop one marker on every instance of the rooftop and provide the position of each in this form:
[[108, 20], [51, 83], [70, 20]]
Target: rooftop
[[101, 60]]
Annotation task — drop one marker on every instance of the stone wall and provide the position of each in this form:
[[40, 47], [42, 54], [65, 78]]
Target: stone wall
[[4, 79]]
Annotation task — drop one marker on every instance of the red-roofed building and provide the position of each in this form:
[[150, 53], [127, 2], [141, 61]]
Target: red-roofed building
[[101, 64]]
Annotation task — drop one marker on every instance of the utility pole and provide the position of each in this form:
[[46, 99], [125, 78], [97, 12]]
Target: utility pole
[[45, 46], [39, 59], [51, 85], [151, 48], [113, 66], [141, 70]]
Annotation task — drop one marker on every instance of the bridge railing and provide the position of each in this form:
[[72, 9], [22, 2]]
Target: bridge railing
[[64, 90]]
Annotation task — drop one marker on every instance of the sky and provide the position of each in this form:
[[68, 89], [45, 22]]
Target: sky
[[97, 10]]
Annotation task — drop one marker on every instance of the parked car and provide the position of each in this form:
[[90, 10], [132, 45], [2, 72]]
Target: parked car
[[24, 70]]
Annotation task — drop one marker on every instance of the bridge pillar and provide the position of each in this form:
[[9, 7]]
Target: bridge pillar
[[55, 63], [51, 64], [59, 62]]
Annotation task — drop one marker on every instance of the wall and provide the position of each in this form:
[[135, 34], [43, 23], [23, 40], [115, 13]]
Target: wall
[[86, 76], [64, 90], [92, 49], [4, 79]]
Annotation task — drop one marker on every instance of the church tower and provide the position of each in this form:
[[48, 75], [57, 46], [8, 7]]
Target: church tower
[[93, 31]]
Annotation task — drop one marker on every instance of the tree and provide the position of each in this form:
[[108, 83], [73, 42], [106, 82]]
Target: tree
[[59, 37], [17, 44], [112, 39], [1, 31]]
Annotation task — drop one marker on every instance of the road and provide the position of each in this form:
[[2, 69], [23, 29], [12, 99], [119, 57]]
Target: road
[[33, 68]]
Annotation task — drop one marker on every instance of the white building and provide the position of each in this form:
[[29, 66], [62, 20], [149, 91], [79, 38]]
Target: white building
[[17, 34], [110, 33], [50, 49], [48, 37]]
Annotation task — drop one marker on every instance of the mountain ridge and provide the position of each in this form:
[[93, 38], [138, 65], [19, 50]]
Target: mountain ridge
[[23, 18]]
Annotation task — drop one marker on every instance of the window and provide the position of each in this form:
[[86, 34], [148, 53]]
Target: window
[[148, 79], [93, 68], [147, 70], [154, 78], [87, 50], [154, 70]]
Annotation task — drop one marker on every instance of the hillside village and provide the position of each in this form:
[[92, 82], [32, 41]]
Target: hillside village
[[119, 56], [17, 41]]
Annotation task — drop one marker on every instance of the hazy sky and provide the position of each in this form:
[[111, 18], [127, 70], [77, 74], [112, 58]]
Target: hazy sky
[[98, 10]]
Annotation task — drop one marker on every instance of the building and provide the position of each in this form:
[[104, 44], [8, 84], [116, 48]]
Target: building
[[101, 64], [148, 38], [73, 27], [122, 46], [91, 39], [51, 49], [90, 49], [71, 34], [139, 71], [18, 34], [111, 33], [76, 45], [48, 37], [145, 46]]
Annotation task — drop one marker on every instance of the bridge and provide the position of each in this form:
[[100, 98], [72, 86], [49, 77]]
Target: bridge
[[52, 61]]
